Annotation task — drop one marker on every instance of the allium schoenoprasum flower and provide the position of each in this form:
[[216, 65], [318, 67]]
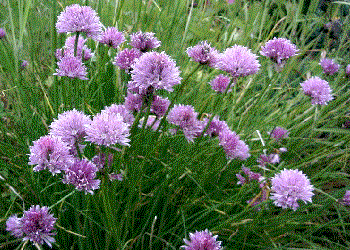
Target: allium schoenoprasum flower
[[112, 37], [239, 61], [24, 64], [144, 41], [2, 33], [216, 126], [220, 83], [268, 159], [82, 174], [133, 102], [35, 225], [71, 67], [202, 240], [155, 69], [346, 199], [49, 152], [279, 133], [159, 105], [76, 18], [233, 146], [68, 49], [347, 70], [122, 110], [203, 53], [185, 117], [126, 58], [329, 66], [318, 90], [288, 187], [279, 50], [70, 127], [108, 129]]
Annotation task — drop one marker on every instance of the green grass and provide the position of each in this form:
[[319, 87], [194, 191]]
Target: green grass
[[173, 187]]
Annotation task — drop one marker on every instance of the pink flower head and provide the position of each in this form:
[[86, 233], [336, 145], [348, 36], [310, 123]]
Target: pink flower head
[[202, 240], [329, 66], [203, 53], [220, 83], [233, 146], [144, 41], [279, 50], [112, 37], [318, 90], [126, 58], [71, 67], [279, 133]]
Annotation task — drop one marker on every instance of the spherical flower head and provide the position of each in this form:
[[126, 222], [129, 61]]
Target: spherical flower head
[[318, 90], [71, 67], [216, 126], [239, 61], [112, 37], [82, 175], [133, 102], [122, 110], [160, 106], [70, 127], [155, 69], [144, 41], [233, 146], [76, 18], [126, 58], [2, 33], [202, 240], [203, 53], [13, 225], [83, 51], [329, 66], [347, 70], [346, 199], [288, 187], [108, 129], [220, 83], [49, 152], [279, 133], [279, 50]]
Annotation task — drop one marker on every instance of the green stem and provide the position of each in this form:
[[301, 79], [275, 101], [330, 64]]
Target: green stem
[[324, 193], [76, 43], [63, 199]]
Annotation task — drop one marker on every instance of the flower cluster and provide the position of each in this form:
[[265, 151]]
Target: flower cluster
[[233, 146], [71, 67], [144, 41], [329, 66], [112, 37], [279, 133], [126, 58], [220, 83], [203, 53], [202, 240], [318, 89], [35, 225]]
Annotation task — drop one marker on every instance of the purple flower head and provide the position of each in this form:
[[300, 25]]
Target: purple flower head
[[279, 133], [83, 51], [233, 146], [268, 159], [347, 70], [251, 175], [203, 53], [24, 64], [202, 240], [70, 127], [82, 175], [346, 199], [35, 225], [288, 187], [144, 41], [133, 102], [2, 33], [329, 66], [151, 121], [100, 160], [76, 18], [72, 67], [160, 106], [185, 117], [155, 69], [49, 152], [126, 58], [122, 110], [230, 1], [216, 126], [108, 129], [220, 83], [239, 61], [13, 225], [112, 37], [279, 50], [318, 90]]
